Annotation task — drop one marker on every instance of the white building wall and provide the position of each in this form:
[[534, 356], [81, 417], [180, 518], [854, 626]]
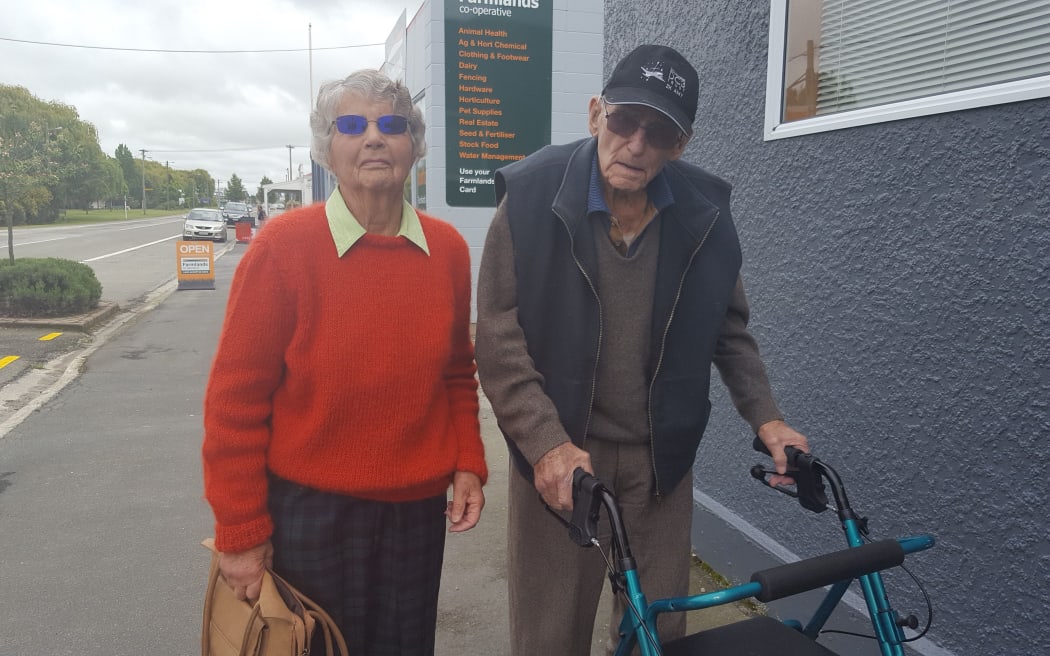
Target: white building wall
[[576, 76], [578, 41]]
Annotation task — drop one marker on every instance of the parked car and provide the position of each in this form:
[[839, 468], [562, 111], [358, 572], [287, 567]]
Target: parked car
[[204, 223], [235, 211]]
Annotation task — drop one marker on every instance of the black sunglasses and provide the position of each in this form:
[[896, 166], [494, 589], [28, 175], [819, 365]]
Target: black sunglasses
[[658, 134], [354, 124]]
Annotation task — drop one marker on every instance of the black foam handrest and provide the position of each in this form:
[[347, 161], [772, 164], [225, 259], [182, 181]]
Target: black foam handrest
[[812, 573]]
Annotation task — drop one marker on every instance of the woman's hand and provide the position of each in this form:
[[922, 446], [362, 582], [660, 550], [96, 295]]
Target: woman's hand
[[243, 570], [464, 510]]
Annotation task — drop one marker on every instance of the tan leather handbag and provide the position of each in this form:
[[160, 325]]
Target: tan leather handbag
[[280, 623]]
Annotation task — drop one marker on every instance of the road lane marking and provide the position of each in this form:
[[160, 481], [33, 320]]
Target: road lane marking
[[39, 241], [8, 360], [148, 225], [48, 337], [128, 250], [42, 392], [142, 223]]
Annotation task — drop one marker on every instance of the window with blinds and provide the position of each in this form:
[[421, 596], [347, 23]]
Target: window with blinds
[[837, 63]]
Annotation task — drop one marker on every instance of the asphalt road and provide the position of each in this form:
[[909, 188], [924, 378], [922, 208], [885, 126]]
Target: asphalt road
[[132, 259], [100, 495], [34, 348]]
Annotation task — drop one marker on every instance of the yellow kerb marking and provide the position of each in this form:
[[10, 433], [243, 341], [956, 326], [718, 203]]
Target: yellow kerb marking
[[48, 337], [8, 360]]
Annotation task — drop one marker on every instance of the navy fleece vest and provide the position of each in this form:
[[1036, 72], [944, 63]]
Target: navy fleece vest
[[555, 263]]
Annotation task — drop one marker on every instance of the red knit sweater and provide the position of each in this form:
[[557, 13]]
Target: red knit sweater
[[352, 375]]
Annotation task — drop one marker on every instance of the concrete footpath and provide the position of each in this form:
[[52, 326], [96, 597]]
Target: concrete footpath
[[111, 456]]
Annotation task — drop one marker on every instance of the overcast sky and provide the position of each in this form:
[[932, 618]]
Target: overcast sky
[[225, 112]]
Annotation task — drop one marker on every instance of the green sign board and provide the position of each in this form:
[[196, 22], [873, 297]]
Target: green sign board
[[497, 91]]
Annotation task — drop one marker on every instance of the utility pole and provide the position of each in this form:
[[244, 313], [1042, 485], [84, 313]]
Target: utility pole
[[143, 151], [289, 161], [310, 40]]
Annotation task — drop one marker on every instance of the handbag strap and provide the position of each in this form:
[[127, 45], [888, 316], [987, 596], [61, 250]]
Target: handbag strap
[[326, 630], [328, 625]]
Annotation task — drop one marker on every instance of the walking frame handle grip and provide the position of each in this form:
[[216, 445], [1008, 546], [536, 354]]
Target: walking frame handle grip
[[793, 454], [586, 506], [805, 469], [589, 495]]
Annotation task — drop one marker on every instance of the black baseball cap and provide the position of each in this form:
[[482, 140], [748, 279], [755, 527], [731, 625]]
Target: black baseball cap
[[657, 77]]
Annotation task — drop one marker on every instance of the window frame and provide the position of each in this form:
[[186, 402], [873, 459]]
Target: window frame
[[775, 128]]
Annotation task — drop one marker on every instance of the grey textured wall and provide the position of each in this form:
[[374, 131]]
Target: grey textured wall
[[899, 276]]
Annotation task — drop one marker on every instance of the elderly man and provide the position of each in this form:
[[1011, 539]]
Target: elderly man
[[609, 284]]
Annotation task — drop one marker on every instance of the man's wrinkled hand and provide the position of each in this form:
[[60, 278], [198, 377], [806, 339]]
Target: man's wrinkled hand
[[777, 435], [552, 474]]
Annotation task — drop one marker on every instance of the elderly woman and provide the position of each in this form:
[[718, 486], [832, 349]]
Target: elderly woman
[[342, 402]]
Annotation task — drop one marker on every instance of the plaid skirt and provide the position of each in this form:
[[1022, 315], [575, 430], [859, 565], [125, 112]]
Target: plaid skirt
[[375, 567]]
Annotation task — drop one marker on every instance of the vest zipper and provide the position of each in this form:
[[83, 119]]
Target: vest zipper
[[663, 346], [601, 328]]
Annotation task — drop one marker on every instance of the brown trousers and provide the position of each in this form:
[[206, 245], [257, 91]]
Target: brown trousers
[[555, 585]]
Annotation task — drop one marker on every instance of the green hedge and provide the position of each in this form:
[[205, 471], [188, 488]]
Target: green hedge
[[47, 287]]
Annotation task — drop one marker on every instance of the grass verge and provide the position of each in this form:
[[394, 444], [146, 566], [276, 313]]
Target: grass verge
[[74, 217]]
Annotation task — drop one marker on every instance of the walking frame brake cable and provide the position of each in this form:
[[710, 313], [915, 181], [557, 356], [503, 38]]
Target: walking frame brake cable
[[620, 589]]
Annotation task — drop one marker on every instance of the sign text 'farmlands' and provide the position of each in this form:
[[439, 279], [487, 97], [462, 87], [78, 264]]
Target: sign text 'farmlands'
[[498, 91]]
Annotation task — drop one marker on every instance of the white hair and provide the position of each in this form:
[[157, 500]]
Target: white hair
[[370, 84]]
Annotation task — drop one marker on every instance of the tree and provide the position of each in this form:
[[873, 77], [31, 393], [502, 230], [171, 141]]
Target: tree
[[24, 148], [126, 160], [75, 170], [201, 187], [22, 171], [116, 185], [85, 173], [92, 177], [235, 189], [52, 160], [259, 194]]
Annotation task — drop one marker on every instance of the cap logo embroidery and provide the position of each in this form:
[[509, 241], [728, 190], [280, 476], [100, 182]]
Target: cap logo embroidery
[[675, 83], [654, 69]]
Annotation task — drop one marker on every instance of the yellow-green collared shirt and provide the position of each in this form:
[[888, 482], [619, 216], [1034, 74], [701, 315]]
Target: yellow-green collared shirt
[[346, 230]]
